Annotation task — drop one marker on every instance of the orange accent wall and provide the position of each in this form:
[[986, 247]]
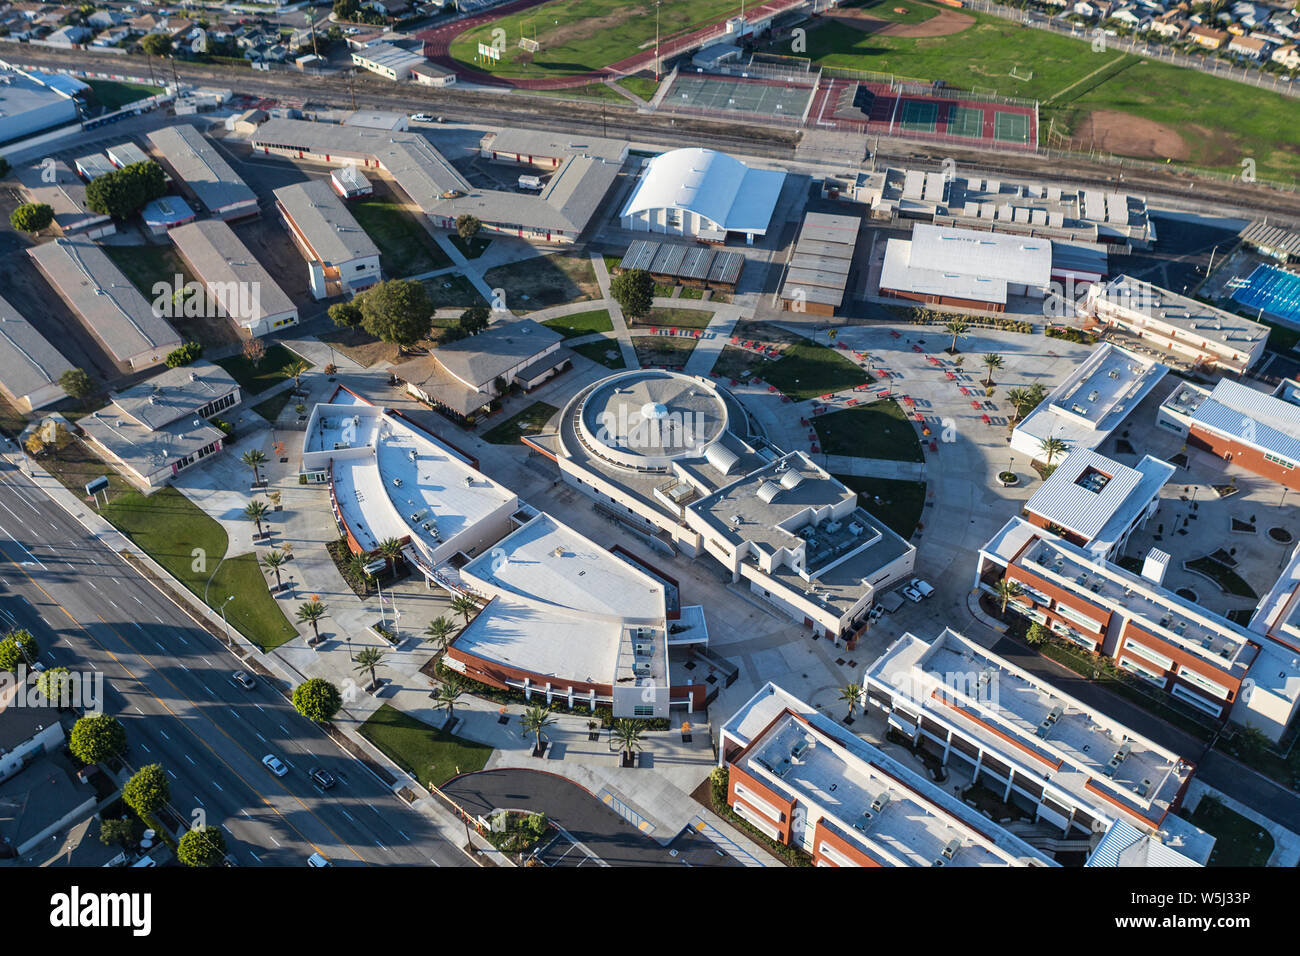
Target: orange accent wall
[[1252, 459], [1179, 656], [823, 832], [786, 806]]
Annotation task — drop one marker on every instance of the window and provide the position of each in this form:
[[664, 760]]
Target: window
[[1077, 617], [1146, 652], [643, 710], [1279, 461]]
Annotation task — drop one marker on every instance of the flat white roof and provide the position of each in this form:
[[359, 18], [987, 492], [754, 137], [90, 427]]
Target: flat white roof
[[898, 273], [66, 195], [196, 161], [1016, 260], [1194, 319]]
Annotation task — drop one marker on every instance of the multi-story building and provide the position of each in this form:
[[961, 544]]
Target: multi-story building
[[341, 257], [1031, 745], [1164, 320], [1195, 655], [803, 780], [1251, 429]]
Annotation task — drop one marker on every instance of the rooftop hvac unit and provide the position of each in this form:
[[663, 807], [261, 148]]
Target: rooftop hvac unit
[[645, 632], [645, 650], [641, 669]]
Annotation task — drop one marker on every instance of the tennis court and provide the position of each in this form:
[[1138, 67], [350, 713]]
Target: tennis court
[[966, 121], [1011, 127], [1274, 290], [918, 117], [766, 97]]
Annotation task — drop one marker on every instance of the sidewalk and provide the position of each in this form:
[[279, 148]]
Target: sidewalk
[[615, 313]]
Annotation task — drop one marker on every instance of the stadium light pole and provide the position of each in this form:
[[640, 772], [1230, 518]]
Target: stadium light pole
[[657, 60]]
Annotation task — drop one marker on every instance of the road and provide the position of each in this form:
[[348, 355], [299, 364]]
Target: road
[[168, 680]]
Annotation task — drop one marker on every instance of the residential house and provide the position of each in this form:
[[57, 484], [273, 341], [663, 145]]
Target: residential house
[[1249, 47], [1207, 37], [103, 19], [1171, 25], [1288, 56], [1132, 17]]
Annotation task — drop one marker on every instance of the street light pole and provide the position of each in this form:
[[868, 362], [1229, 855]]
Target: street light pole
[[229, 642], [658, 62]]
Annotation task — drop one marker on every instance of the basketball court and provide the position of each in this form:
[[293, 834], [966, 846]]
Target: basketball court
[[705, 91]]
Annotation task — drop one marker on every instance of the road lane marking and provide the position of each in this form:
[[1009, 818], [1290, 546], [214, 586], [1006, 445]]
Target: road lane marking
[[190, 759]]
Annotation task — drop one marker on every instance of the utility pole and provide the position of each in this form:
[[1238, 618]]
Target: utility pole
[[311, 22], [352, 88], [657, 60]]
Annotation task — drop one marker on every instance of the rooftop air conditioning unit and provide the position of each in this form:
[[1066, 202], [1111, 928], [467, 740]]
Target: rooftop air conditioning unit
[[645, 650], [645, 632], [641, 669]]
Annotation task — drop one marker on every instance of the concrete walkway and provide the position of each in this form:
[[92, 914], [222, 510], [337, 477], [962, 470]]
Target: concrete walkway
[[472, 269], [615, 313], [705, 354], [1286, 843]]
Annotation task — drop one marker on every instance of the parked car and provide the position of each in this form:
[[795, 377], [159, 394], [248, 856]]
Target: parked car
[[317, 860], [243, 679], [912, 594], [876, 613], [323, 779], [921, 587], [274, 764], [423, 118]]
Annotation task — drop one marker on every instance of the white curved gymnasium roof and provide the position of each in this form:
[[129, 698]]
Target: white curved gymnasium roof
[[714, 185]]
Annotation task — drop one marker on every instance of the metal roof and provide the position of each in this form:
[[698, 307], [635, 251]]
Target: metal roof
[[710, 184], [224, 264], [66, 195], [1017, 260], [1252, 418], [27, 361], [196, 161], [549, 144]]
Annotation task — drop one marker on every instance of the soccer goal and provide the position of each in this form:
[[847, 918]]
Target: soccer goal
[[1019, 74], [532, 46]]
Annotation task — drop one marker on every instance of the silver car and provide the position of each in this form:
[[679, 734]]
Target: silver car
[[274, 764]]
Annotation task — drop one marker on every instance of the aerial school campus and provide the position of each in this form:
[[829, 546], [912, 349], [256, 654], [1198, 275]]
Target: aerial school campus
[[596, 433]]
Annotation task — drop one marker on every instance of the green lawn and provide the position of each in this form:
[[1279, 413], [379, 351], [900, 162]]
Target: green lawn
[[405, 246], [452, 291], [895, 502], [668, 350], [1220, 121], [1238, 841], [257, 378], [273, 406], [530, 421], [676, 318], [601, 351], [472, 249], [429, 755], [146, 265], [544, 281], [877, 430], [581, 323], [113, 95], [174, 531], [642, 86], [805, 371], [577, 36]]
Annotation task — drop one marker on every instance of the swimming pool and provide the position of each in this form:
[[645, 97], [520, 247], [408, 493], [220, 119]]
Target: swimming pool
[[1274, 290]]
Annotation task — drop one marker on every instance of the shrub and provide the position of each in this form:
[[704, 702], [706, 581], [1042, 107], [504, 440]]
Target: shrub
[[187, 354]]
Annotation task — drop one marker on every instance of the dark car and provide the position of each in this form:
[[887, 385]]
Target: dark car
[[323, 779]]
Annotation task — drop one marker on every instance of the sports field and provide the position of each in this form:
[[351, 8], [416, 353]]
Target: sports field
[[578, 36], [1113, 101], [765, 98]]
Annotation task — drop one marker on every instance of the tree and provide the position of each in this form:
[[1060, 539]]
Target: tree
[[255, 511], [627, 734], [1019, 399], [359, 565], [202, 846], [396, 311], [464, 605], [32, 217], [254, 458], [992, 361], [367, 659], [451, 691], [156, 44], [347, 10], [633, 290], [1006, 589], [440, 629], [474, 319], [55, 685], [1251, 741], [535, 720], [121, 832], [390, 549], [255, 350], [1036, 635], [77, 383], [310, 613], [345, 315], [274, 561], [125, 191], [1051, 447], [851, 694], [187, 354], [317, 699], [467, 227], [5, 168], [97, 737], [957, 328], [18, 647], [147, 791], [295, 370], [34, 444]]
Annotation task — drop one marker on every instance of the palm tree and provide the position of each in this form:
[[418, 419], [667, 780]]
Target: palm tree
[[464, 605], [992, 361], [957, 328], [534, 721], [255, 511], [440, 630], [1019, 399], [359, 565], [390, 549], [450, 692], [627, 734], [254, 458], [1051, 447], [311, 613], [295, 370], [1006, 589], [367, 659], [851, 694], [273, 561]]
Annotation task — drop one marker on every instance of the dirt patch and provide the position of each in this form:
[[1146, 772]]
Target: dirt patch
[[944, 23], [1127, 135]]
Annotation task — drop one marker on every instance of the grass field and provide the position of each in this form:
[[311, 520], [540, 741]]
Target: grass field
[[578, 36], [529, 421], [258, 378], [1238, 841], [113, 95], [429, 755], [146, 265], [878, 430], [273, 406], [544, 281], [405, 247], [896, 502], [669, 318], [806, 370], [1220, 122], [669, 351], [581, 323], [601, 353], [169, 528]]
